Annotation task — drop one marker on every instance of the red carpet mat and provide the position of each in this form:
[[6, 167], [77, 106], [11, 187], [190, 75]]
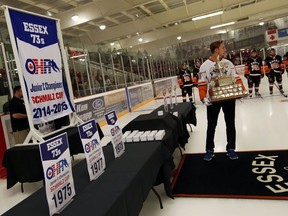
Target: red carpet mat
[[255, 175]]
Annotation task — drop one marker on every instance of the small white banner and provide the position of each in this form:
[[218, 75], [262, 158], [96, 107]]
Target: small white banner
[[116, 133], [57, 170], [90, 138]]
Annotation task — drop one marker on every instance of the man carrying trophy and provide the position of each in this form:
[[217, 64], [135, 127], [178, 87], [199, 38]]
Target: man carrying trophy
[[219, 86]]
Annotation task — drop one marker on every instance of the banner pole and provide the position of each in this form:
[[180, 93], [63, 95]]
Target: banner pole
[[73, 118], [19, 69]]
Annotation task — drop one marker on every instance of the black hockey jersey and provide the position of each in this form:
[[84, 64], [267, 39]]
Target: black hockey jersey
[[254, 66], [185, 75], [274, 63]]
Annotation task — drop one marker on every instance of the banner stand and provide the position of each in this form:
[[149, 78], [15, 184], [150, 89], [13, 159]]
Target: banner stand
[[34, 134]]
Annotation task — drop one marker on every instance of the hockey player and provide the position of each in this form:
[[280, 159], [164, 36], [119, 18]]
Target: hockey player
[[207, 76], [253, 72], [185, 82], [274, 70]]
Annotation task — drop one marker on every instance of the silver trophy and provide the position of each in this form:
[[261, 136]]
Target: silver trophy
[[170, 97], [165, 100], [175, 94], [219, 68], [222, 78]]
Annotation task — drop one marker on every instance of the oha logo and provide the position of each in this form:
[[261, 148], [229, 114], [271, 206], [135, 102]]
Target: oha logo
[[91, 145], [98, 103], [41, 66], [56, 169], [115, 130]]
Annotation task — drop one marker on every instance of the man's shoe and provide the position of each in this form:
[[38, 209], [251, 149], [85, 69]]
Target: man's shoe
[[281, 91], [250, 94], [209, 155], [232, 154], [271, 92]]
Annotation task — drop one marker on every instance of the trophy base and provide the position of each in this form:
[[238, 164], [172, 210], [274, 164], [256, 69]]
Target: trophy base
[[227, 92]]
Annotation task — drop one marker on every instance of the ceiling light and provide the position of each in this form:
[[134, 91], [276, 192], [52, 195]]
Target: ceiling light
[[140, 39], [225, 24], [130, 47], [179, 38], [102, 27], [137, 33], [49, 13], [176, 23], [223, 32], [207, 15], [261, 23], [75, 17], [112, 44]]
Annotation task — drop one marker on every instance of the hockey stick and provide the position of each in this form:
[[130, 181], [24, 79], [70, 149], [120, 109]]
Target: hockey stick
[[279, 90], [260, 96]]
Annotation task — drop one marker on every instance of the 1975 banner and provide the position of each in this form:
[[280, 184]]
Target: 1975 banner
[[57, 168], [41, 65]]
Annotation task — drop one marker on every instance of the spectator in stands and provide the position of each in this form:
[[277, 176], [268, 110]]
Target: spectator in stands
[[237, 61], [107, 80], [96, 84]]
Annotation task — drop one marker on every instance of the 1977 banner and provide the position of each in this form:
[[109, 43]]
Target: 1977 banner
[[41, 65], [90, 139]]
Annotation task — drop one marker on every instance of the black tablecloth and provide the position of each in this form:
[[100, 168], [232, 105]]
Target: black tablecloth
[[175, 134], [23, 163], [168, 122], [186, 114], [120, 190], [186, 109]]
